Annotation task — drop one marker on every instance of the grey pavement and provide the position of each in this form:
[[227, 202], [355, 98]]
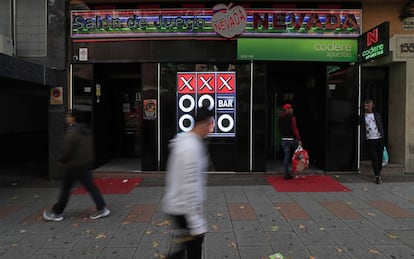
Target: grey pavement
[[248, 219]]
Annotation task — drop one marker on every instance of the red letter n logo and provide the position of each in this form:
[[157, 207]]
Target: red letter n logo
[[372, 37]]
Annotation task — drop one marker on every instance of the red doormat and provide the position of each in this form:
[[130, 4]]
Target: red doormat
[[112, 185], [306, 183]]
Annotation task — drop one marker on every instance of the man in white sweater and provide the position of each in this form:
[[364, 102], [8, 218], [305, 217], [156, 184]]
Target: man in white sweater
[[186, 184]]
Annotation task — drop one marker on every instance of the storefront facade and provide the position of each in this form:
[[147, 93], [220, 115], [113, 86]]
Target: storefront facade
[[123, 73], [141, 73], [388, 79]]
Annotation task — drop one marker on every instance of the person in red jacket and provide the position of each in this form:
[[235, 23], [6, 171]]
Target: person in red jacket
[[290, 137]]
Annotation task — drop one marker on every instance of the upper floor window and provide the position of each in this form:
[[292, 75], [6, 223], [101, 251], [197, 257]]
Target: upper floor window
[[31, 28], [6, 35], [23, 27]]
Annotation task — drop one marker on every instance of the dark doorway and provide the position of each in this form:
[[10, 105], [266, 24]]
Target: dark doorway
[[24, 134], [301, 84], [342, 123], [375, 87], [118, 112]]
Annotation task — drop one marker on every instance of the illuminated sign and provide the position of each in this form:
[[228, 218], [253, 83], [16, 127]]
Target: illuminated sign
[[327, 50], [217, 91], [228, 21], [374, 43], [222, 20]]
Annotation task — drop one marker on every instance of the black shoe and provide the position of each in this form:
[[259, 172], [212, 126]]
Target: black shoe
[[378, 179]]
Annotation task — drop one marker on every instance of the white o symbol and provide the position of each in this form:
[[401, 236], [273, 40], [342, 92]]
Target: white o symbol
[[210, 100], [220, 123], [181, 122], [181, 103]]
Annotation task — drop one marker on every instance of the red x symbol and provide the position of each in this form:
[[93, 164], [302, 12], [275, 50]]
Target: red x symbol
[[226, 82], [186, 83]]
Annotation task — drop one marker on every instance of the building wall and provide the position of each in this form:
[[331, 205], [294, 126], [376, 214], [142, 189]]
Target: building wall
[[377, 13], [57, 59], [401, 109], [401, 84], [409, 118], [397, 114]]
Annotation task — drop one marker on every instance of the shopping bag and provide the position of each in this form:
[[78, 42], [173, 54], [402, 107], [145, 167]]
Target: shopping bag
[[300, 159], [385, 157]]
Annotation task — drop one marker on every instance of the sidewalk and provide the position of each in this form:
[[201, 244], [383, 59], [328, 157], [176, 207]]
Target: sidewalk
[[247, 219]]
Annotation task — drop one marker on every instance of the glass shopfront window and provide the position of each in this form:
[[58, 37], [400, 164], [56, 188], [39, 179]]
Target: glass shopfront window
[[225, 87]]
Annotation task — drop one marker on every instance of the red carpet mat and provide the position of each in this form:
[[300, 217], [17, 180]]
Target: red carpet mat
[[306, 183], [112, 185]]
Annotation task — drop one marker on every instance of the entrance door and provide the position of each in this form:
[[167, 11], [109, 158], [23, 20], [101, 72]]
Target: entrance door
[[375, 87], [118, 113], [302, 84], [342, 103]]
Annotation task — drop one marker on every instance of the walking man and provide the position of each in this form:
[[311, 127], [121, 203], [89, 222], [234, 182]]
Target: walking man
[[290, 137], [77, 160], [185, 185], [373, 132]]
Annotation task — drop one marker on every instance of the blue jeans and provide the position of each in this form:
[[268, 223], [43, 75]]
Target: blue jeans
[[289, 146]]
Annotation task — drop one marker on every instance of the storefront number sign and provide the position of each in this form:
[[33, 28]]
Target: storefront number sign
[[216, 90], [405, 45], [220, 21]]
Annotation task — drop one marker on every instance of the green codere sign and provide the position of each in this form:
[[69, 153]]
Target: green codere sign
[[328, 50]]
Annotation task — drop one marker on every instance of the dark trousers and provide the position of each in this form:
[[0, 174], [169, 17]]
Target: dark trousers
[[190, 245], [376, 149], [289, 146], [85, 177]]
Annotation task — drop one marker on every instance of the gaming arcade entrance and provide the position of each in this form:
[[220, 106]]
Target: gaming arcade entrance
[[325, 101], [135, 115], [112, 93]]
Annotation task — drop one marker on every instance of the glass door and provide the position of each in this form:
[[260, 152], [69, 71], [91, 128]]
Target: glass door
[[342, 123]]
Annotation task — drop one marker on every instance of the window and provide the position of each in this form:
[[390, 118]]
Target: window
[[31, 28], [6, 42]]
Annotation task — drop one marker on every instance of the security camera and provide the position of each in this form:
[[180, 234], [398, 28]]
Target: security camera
[[75, 58]]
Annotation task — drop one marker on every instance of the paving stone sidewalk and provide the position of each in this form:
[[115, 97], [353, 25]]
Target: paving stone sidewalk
[[245, 222]]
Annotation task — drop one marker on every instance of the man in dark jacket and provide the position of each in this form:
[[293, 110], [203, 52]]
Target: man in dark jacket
[[77, 159], [289, 135], [373, 132]]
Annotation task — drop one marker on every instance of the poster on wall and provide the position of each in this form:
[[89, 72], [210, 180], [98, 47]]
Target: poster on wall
[[56, 95], [217, 91], [150, 109]]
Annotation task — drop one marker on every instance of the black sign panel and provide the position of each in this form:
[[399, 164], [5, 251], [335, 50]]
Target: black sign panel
[[374, 43]]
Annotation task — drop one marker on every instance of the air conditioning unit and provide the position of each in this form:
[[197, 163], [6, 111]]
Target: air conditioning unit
[[6, 45]]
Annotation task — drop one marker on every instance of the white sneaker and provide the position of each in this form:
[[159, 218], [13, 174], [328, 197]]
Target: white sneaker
[[100, 213], [50, 215]]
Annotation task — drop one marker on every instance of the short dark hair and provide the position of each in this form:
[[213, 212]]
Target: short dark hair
[[367, 101], [203, 113]]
